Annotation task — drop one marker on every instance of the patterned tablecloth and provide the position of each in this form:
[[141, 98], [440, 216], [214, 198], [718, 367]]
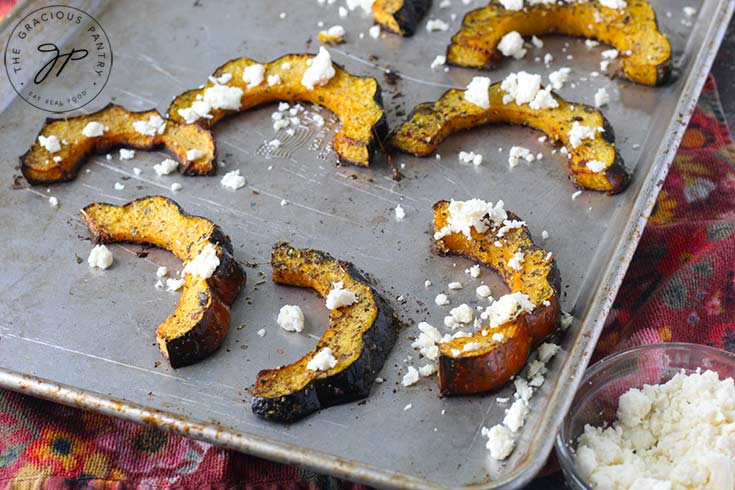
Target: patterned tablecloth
[[680, 287]]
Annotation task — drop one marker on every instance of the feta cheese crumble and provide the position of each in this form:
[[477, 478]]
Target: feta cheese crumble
[[194, 154], [614, 4], [253, 75], [512, 45], [427, 370], [399, 212], [500, 441], [339, 296], [470, 157], [165, 167], [596, 166], [374, 31], [233, 180], [579, 133], [673, 435], [261, 332], [126, 154], [93, 129], [291, 318], [559, 77], [174, 284], [100, 257], [454, 285], [517, 153], [322, 360], [477, 92], [512, 4], [334, 34], [320, 71], [515, 416], [463, 216], [601, 97], [204, 264], [441, 299], [50, 143], [365, 5], [462, 313], [411, 377], [223, 97], [440, 60], [507, 308], [153, 126], [53, 202], [483, 291], [436, 25], [516, 262]]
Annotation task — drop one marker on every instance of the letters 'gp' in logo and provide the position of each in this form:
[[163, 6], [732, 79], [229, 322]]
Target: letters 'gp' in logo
[[58, 58]]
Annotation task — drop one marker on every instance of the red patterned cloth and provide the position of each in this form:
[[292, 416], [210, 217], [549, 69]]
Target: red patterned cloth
[[680, 287]]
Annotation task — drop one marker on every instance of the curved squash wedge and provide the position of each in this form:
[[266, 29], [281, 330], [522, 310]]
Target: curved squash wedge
[[39, 166], [200, 322], [431, 122], [357, 101], [400, 16], [360, 337], [499, 357], [645, 53]]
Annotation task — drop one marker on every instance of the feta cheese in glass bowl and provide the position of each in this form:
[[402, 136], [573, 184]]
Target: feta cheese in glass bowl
[[657, 416]]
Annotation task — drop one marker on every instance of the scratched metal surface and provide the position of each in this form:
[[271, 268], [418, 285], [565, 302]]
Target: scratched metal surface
[[87, 338]]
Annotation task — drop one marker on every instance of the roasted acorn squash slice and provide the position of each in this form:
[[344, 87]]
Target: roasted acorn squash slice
[[645, 53], [357, 101], [400, 16], [39, 166], [360, 337], [200, 322], [497, 360], [431, 122]]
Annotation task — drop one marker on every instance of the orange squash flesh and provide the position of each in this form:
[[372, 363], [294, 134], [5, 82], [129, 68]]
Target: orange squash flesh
[[42, 167], [357, 101], [360, 336], [496, 361], [645, 53], [198, 325], [431, 122]]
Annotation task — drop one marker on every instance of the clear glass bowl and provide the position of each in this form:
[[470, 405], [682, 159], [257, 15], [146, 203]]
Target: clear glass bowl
[[596, 401]]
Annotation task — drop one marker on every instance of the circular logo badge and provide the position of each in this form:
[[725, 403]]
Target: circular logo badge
[[58, 58]]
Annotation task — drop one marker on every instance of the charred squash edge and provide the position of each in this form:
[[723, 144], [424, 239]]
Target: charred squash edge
[[400, 16], [65, 171], [471, 372], [633, 29], [452, 113], [207, 334], [348, 138], [351, 383]]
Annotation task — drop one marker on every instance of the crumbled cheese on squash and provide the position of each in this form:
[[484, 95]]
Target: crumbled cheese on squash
[[204, 264]]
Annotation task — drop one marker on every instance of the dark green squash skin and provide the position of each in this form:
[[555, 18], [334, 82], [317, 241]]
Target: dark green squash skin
[[208, 334], [410, 14], [353, 383], [225, 284]]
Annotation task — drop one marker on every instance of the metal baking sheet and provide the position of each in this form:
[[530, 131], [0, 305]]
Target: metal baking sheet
[[84, 337]]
